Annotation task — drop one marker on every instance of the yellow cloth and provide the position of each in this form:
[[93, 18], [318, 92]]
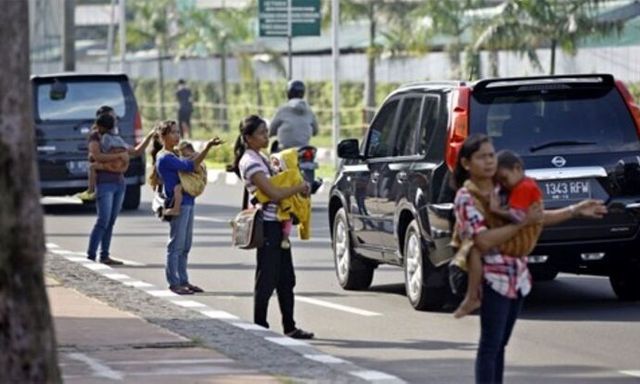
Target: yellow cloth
[[296, 205], [194, 182]]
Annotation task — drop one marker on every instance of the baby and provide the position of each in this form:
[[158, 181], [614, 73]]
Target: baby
[[186, 151], [279, 165], [523, 194]]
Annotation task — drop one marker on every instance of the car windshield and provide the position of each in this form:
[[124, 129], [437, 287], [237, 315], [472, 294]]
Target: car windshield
[[555, 121], [80, 101]]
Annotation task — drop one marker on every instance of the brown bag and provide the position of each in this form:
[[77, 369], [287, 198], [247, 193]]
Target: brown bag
[[248, 226]]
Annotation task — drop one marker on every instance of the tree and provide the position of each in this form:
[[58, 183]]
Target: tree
[[27, 339], [524, 25], [154, 25]]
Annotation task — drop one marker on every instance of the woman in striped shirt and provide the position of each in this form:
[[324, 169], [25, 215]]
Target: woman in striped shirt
[[506, 278], [274, 268]]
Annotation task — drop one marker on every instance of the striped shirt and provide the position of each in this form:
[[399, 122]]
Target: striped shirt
[[505, 274], [252, 163]]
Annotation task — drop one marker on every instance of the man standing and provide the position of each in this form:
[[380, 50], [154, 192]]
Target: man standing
[[185, 108], [294, 122]]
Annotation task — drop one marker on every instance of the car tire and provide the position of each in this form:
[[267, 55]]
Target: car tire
[[544, 275], [416, 273], [352, 271], [625, 284], [131, 197]]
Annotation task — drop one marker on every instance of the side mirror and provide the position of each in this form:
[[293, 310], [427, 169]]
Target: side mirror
[[58, 90], [349, 149]]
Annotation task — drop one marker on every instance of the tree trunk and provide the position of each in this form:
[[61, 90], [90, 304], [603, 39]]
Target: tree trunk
[[454, 59], [494, 63], [27, 339], [161, 83], [223, 81], [370, 85], [552, 67]]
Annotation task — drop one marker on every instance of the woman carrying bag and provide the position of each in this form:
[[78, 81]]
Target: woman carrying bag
[[274, 268]]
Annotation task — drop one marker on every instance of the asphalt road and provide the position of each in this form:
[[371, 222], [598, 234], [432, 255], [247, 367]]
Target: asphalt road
[[572, 330]]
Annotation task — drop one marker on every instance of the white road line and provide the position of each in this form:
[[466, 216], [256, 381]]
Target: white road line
[[218, 314], [286, 341], [96, 266], [64, 200], [250, 327], [161, 293], [338, 307], [631, 373], [99, 369], [79, 259], [137, 284], [116, 276], [374, 375], [52, 245], [212, 219], [173, 362], [188, 303], [326, 359]]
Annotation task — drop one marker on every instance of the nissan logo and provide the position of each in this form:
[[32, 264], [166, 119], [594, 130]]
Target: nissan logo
[[558, 161]]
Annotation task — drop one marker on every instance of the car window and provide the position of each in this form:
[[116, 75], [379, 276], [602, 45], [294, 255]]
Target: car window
[[408, 126], [380, 142], [432, 134], [81, 100], [597, 118]]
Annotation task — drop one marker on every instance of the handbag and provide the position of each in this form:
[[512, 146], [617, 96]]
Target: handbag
[[159, 204], [248, 227]]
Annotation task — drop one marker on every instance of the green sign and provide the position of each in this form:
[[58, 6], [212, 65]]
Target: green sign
[[273, 15]]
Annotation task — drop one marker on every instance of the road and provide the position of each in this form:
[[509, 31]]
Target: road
[[572, 330]]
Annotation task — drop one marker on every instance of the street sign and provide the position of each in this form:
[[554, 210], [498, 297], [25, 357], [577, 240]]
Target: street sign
[[273, 15]]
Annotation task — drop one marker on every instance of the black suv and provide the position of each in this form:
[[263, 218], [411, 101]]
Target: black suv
[[578, 135], [64, 109]]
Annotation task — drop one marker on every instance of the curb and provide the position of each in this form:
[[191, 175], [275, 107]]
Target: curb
[[253, 345]]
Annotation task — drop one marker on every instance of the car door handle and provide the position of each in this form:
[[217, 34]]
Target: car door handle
[[375, 176], [402, 177]]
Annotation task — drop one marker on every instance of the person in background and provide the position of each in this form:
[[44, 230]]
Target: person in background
[[110, 185], [294, 122], [274, 265], [185, 108]]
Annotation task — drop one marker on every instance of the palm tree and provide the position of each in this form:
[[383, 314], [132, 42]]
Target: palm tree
[[154, 25], [524, 25]]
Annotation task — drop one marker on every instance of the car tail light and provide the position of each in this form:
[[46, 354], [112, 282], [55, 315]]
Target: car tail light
[[137, 128], [633, 107], [308, 155], [459, 129]]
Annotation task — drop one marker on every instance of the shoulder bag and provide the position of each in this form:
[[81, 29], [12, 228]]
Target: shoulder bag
[[248, 227]]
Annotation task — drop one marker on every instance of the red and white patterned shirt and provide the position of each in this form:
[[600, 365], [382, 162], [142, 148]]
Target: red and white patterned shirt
[[505, 274]]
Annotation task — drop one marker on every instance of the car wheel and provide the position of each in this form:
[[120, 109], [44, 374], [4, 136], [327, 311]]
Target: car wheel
[[625, 284], [131, 197], [416, 273], [352, 271]]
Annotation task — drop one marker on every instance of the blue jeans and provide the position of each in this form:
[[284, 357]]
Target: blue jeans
[[180, 237], [497, 317], [109, 198]]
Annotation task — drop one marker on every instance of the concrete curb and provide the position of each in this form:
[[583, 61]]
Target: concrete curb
[[245, 342]]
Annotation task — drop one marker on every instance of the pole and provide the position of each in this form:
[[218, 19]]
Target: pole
[[122, 33], [69, 36], [112, 17], [289, 38], [335, 50]]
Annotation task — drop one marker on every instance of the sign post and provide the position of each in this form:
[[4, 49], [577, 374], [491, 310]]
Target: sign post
[[289, 18]]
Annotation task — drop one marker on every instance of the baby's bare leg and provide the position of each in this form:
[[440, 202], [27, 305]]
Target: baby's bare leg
[[92, 177], [471, 300], [177, 201]]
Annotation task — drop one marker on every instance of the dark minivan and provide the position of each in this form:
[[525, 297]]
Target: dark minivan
[[579, 136], [64, 108]]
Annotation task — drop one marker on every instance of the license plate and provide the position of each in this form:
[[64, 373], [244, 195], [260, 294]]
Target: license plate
[[78, 167], [565, 190]]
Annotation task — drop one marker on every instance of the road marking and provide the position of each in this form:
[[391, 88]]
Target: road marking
[[374, 376], [64, 200], [286, 341], [174, 362], [95, 266], [188, 303], [161, 293], [137, 284], [99, 369], [327, 359], [116, 276], [79, 259], [52, 245], [338, 307], [631, 373], [250, 326], [218, 314], [212, 219]]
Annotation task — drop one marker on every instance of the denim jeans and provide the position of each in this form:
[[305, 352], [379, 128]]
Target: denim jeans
[[180, 237], [109, 198], [497, 317]]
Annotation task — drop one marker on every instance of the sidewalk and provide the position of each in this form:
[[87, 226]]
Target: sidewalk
[[100, 344]]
